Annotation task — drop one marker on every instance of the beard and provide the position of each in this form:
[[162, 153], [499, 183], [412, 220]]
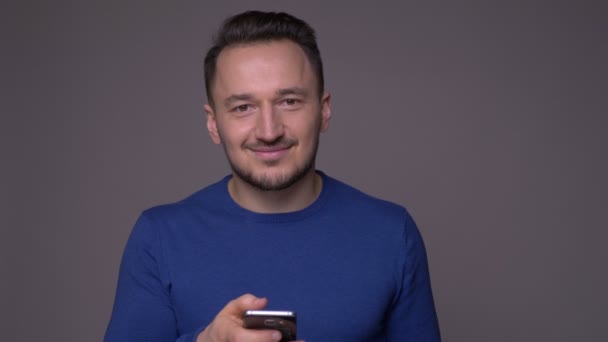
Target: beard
[[279, 182]]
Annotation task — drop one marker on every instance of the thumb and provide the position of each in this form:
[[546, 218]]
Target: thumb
[[238, 306]]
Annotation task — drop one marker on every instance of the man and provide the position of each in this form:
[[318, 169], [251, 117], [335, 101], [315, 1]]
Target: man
[[276, 233]]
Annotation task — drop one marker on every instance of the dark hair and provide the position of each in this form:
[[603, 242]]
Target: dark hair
[[256, 26]]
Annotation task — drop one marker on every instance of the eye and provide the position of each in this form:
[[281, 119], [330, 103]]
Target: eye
[[242, 108], [291, 102]]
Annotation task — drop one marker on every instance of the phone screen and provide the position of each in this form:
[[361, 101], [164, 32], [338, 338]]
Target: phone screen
[[283, 321]]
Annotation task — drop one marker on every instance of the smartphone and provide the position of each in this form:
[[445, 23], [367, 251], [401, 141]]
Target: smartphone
[[283, 321]]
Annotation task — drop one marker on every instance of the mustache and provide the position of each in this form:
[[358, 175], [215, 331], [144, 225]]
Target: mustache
[[278, 144]]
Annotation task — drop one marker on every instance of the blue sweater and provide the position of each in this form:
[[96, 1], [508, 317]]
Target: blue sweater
[[351, 266]]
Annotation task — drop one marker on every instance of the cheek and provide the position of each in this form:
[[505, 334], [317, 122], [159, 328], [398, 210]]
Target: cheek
[[233, 134], [308, 129]]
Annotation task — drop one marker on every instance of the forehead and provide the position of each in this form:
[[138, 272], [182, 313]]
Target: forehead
[[262, 68]]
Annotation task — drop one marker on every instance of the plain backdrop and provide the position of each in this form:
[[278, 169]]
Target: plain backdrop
[[486, 119]]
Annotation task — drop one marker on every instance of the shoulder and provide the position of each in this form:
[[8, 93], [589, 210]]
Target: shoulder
[[347, 197], [387, 227], [207, 199]]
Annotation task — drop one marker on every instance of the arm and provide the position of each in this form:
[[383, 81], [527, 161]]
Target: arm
[[142, 307], [412, 316]]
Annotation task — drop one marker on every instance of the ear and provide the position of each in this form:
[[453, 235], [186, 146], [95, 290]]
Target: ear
[[325, 111], [212, 125]]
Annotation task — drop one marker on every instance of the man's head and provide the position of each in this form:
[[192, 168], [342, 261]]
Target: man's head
[[256, 27], [266, 105]]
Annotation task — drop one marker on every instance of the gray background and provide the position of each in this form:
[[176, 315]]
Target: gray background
[[487, 120]]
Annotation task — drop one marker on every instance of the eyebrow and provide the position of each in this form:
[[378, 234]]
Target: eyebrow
[[281, 92], [292, 91], [237, 97]]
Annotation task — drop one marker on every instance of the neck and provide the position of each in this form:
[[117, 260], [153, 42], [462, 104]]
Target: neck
[[297, 197]]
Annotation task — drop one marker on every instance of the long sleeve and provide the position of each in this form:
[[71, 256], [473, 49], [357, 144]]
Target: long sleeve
[[142, 308], [413, 316], [184, 261]]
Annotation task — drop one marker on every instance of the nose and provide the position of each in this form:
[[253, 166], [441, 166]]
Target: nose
[[269, 126]]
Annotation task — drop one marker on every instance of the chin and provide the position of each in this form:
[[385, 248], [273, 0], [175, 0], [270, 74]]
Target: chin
[[272, 180]]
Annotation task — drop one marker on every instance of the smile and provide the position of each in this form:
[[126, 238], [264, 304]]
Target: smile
[[272, 153]]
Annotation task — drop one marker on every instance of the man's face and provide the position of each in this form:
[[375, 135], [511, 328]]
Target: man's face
[[267, 112]]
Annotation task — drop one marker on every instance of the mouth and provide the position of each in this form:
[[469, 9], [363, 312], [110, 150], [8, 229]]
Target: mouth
[[270, 153]]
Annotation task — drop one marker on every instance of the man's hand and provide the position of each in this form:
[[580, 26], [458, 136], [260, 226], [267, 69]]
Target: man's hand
[[228, 324]]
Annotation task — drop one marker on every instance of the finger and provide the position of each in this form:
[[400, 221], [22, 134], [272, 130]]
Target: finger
[[257, 335], [238, 306]]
